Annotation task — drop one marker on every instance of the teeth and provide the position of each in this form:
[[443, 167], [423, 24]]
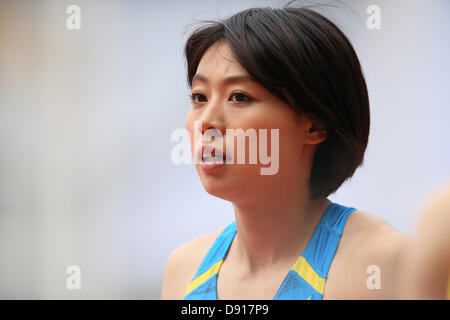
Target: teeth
[[212, 155], [209, 158]]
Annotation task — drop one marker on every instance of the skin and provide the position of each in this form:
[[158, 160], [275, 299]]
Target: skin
[[427, 258], [275, 215]]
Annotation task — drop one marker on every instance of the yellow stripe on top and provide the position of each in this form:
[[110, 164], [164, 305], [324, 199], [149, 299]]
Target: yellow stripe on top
[[304, 270], [204, 276]]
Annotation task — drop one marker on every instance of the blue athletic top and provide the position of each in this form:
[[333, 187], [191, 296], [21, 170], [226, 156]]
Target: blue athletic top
[[305, 280]]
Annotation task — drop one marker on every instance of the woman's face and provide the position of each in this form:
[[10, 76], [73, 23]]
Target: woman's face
[[244, 104]]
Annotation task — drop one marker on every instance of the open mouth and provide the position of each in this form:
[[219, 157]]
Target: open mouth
[[209, 155]]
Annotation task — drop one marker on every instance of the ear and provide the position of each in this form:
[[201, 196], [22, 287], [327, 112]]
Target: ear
[[315, 131]]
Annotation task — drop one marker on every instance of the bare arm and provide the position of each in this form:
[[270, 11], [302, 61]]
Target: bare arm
[[426, 266]]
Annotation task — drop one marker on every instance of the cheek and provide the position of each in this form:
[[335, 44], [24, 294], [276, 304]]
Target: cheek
[[189, 121], [289, 140], [190, 127], [290, 148]]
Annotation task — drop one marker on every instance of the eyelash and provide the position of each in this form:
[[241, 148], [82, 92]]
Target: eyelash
[[247, 98]]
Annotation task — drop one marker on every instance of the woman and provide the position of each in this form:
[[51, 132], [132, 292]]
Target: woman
[[294, 71]]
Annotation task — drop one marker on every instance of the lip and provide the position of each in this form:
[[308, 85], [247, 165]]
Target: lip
[[212, 165], [215, 163]]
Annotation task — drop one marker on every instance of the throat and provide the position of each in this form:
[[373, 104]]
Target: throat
[[265, 242]]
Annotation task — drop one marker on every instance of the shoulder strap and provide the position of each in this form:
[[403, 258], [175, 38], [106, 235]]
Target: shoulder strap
[[218, 249], [322, 247], [210, 265]]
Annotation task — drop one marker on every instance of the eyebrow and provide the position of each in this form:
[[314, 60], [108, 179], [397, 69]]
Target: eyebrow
[[241, 77]]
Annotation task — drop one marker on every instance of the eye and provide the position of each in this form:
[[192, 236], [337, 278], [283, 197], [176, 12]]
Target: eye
[[197, 98], [240, 98], [237, 97]]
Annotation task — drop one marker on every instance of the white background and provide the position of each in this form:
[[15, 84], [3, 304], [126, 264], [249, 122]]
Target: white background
[[85, 123]]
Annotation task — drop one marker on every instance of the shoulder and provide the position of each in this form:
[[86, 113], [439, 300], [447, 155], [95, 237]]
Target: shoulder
[[364, 230], [368, 259], [183, 263], [373, 238], [428, 259], [435, 217]]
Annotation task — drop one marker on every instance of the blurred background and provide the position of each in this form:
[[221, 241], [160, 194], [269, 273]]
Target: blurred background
[[86, 117]]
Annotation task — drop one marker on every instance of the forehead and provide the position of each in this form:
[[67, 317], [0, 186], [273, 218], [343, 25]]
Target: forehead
[[218, 61]]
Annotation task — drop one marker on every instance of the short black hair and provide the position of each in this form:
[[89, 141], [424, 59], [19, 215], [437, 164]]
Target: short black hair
[[305, 60]]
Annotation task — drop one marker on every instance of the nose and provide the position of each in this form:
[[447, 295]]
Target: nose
[[212, 117]]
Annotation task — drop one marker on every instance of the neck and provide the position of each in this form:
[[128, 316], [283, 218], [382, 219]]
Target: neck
[[275, 231]]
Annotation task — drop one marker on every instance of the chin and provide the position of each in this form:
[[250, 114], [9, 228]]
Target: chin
[[231, 184], [219, 187], [215, 187]]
